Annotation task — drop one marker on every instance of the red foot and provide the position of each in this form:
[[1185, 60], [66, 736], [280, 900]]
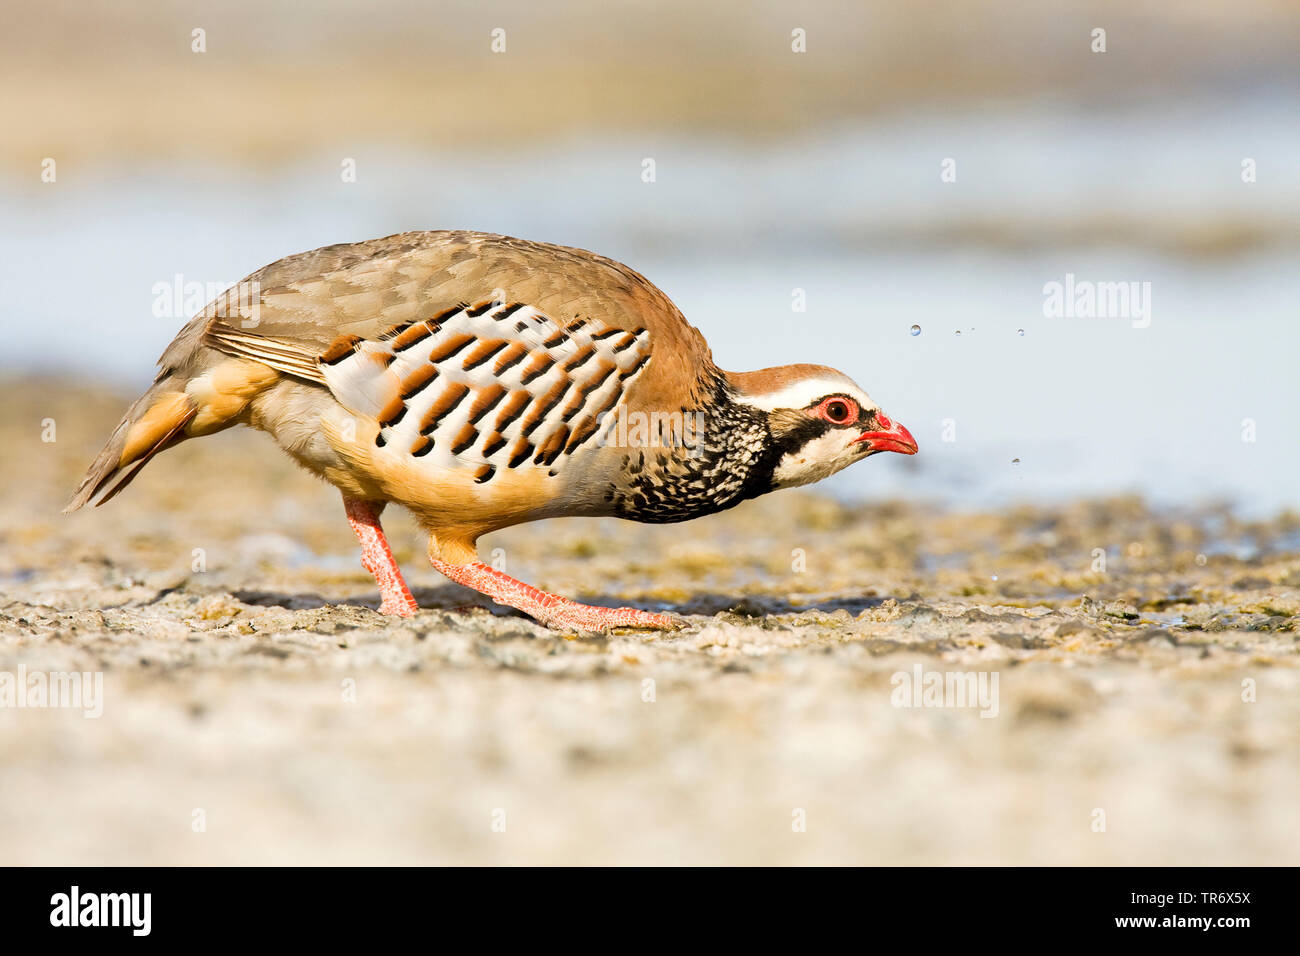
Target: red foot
[[550, 609], [377, 558]]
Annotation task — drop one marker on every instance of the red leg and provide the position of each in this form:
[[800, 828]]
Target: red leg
[[550, 609], [377, 558]]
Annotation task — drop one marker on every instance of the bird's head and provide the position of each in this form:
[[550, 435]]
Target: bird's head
[[819, 419]]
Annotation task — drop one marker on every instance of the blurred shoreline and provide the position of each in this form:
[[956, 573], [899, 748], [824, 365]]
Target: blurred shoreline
[[122, 82], [1166, 177]]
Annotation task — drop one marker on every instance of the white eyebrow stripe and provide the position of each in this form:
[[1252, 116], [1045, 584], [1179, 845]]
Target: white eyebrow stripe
[[803, 393]]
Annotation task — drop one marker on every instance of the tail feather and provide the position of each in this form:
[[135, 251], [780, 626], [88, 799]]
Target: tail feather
[[207, 395], [174, 436], [156, 421]]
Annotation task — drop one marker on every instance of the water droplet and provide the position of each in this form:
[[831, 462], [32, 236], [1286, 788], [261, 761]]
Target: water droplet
[[1020, 331], [915, 330]]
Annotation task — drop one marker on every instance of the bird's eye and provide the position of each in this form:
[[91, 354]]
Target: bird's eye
[[838, 411]]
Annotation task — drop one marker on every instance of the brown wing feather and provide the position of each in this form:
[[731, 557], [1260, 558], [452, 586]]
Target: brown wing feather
[[365, 289]]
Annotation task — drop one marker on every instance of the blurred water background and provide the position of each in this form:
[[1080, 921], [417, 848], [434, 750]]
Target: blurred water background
[[779, 176]]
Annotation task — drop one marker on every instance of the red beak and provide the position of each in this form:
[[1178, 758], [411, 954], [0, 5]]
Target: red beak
[[893, 437]]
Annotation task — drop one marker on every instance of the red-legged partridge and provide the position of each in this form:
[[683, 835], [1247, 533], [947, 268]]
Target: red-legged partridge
[[483, 381]]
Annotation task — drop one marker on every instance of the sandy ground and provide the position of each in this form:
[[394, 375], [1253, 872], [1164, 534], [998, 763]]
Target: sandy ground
[[256, 709]]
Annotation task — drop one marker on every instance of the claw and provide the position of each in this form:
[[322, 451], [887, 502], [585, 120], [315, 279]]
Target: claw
[[398, 607]]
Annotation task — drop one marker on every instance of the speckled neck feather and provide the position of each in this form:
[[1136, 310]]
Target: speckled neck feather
[[731, 460]]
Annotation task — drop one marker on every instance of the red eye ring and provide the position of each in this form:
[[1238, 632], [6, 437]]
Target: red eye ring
[[838, 410]]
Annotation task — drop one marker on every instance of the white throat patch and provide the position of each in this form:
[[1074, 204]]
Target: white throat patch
[[820, 458]]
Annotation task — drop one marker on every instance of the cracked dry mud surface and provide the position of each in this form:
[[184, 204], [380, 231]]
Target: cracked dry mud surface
[[265, 691]]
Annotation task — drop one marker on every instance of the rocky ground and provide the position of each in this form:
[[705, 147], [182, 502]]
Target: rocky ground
[[256, 708]]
